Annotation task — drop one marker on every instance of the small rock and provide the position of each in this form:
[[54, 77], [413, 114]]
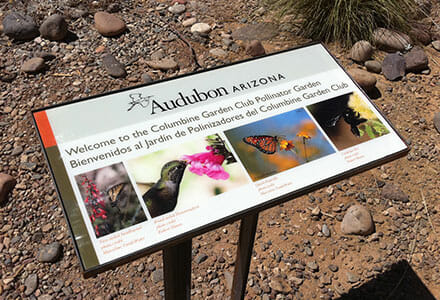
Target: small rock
[[146, 78], [280, 285], [67, 290], [390, 40], [393, 66], [260, 11], [34, 65], [113, 66], [114, 7], [333, 268], [20, 27], [392, 212], [255, 48], [227, 42], [361, 51], [296, 281], [436, 122], [157, 275], [177, 9], [416, 60], [47, 227], [7, 76], [30, 284], [218, 52], [141, 268], [163, 64], [316, 211], [229, 279], [259, 31], [201, 258], [201, 28], [57, 285], [373, 66], [54, 28], [325, 230], [49, 253], [313, 266], [7, 183], [436, 45], [45, 55], [109, 24], [357, 220], [17, 150], [352, 278], [325, 279], [189, 22], [394, 193], [365, 79], [157, 55], [374, 237]]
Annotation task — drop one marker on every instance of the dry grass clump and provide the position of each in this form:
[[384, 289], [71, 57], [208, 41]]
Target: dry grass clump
[[347, 21]]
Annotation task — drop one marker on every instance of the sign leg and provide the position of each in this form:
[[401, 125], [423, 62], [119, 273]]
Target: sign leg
[[177, 271], [245, 245]]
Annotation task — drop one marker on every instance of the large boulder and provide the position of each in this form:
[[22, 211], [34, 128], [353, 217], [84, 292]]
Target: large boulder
[[357, 221], [416, 60], [393, 192], [361, 51], [113, 67], [393, 66], [390, 40], [34, 65], [7, 183], [20, 27], [109, 24], [365, 79], [54, 28]]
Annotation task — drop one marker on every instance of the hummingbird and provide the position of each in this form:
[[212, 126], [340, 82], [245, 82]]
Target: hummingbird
[[162, 196]]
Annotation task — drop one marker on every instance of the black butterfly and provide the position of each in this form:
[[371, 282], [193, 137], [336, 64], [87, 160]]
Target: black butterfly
[[329, 112], [353, 119]]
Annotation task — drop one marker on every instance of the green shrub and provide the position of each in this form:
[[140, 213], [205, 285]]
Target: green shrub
[[347, 21]]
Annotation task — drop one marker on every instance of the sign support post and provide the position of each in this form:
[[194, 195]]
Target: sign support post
[[245, 246], [177, 271], [177, 264]]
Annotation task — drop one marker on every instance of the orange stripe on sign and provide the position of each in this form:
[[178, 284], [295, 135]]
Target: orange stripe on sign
[[45, 129]]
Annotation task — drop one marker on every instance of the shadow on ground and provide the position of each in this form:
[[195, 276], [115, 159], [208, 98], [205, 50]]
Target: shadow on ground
[[398, 283]]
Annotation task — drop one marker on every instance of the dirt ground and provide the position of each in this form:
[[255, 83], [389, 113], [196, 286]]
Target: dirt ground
[[292, 259]]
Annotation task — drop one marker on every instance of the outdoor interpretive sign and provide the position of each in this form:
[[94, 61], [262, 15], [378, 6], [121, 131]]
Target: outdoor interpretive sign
[[145, 167]]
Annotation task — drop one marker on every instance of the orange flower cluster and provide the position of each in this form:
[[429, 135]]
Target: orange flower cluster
[[303, 135], [286, 145]]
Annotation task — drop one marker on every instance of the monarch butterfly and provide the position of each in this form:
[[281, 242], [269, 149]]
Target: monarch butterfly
[[114, 192], [265, 143]]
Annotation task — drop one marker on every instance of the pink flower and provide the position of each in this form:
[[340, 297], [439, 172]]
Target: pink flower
[[207, 163]]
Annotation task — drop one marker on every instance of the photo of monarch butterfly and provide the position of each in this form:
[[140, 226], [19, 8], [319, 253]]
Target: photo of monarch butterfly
[[272, 145], [114, 193], [265, 143]]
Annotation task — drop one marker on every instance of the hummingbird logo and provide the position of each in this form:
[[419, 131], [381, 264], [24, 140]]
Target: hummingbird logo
[[138, 99]]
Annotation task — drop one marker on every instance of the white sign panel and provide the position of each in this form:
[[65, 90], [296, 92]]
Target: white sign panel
[[138, 168]]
